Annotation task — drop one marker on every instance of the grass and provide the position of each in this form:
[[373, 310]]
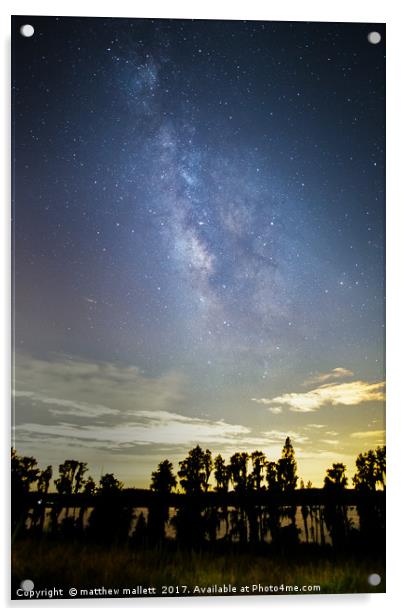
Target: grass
[[56, 563]]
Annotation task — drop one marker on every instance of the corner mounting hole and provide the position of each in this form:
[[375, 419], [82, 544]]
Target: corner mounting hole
[[27, 585], [374, 38], [374, 579], [27, 30]]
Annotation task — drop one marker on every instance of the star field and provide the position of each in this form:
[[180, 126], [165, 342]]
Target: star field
[[202, 198]]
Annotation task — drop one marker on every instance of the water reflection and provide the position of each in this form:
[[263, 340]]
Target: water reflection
[[309, 522]]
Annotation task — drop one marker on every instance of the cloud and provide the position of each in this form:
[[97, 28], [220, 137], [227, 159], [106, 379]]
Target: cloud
[[276, 410], [336, 373], [347, 394], [68, 407], [77, 386], [156, 428], [145, 427], [370, 435], [57, 400], [275, 436]]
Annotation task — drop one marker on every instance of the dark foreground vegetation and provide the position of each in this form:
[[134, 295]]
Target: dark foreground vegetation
[[62, 563], [252, 527]]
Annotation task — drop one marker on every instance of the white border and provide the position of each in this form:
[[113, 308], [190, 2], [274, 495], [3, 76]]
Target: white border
[[288, 10]]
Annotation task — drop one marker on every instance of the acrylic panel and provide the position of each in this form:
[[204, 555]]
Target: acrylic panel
[[198, 308]]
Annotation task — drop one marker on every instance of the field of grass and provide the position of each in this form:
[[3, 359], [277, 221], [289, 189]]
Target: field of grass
[[61, 564]]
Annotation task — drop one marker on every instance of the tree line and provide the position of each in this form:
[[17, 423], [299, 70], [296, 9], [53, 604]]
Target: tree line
[[245, 476]]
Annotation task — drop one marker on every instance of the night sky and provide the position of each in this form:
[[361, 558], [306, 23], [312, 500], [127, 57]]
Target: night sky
[[198, 241]]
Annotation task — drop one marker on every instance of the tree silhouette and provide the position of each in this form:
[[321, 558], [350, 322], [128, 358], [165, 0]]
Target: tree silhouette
[[89, 489], [381, 466], [258, 465], [162, 483], [43, 488], [366, 475], [287, 468], [335, 511], [336, 477], [71, 477], [163, 479], [139, 536], [109, 486], [195, 471], [111, 518], [238, 468], [287, 482], [272, 477], [304, 512], [24, 473], [255, 509], [44, 480], [255, 485], [208, 467], [222, 476], [70, 481], [371, 469]]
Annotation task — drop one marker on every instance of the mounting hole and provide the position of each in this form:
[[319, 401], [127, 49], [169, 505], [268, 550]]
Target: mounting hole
[[374, 579], [27, 585], [27, 30], [374, 38]]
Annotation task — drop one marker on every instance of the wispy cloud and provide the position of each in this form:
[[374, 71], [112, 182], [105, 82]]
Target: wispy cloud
[[58, 399], [276, 436], [67, 407], [322, 377], [347, 394], [370, 435], [156, 428], [276, 410], [145, 427], [76, 385]]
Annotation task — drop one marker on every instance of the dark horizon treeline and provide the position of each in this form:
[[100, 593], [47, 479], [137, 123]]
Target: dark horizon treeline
[[263, 510]]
